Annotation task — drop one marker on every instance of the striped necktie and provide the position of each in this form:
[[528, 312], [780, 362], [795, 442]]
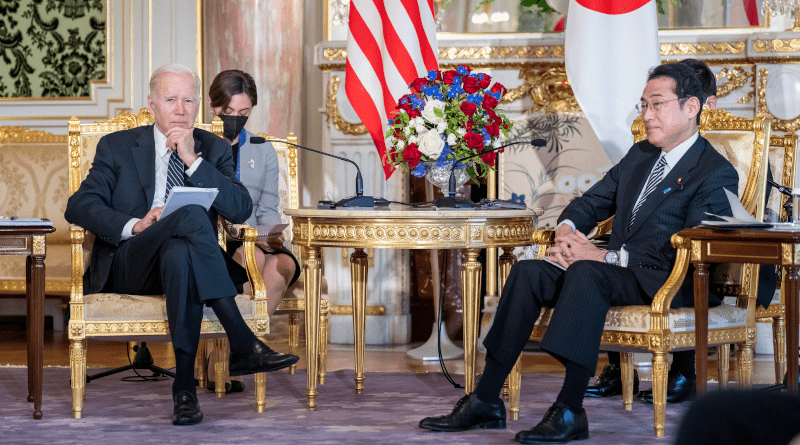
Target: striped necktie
[[174, 173], [652, 183]]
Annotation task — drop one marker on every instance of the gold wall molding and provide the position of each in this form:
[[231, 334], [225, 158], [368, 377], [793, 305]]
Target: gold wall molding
[[737, 78], [332, 111], [548, 88], [502, 52], [702, 48], [777, 45], [761, 105], [26, 136], [346, 309]]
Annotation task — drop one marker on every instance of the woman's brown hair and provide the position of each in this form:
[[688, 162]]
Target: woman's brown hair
[[228, 84]]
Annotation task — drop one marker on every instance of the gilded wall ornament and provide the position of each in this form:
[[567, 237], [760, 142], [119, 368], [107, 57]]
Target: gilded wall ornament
[[737, 78], [777, 45], [332, 111], [548, 88], [761, 105], [702, 48]]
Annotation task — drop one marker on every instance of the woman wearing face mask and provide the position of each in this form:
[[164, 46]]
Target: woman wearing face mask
[[232, 96]]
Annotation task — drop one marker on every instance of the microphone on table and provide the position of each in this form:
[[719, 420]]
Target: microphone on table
[[786, 191], [353, 201], [454, 202]]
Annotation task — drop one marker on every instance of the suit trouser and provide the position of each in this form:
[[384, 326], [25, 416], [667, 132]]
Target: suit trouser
[[581, 297], [179, 257]]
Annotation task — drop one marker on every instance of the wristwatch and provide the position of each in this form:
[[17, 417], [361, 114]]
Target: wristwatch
[[612, 257]]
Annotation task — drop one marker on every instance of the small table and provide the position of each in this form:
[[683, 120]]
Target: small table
[[471, 230], [775, 246], [30, 241]]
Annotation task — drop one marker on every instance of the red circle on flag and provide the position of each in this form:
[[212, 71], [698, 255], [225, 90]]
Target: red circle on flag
[[613, 7]]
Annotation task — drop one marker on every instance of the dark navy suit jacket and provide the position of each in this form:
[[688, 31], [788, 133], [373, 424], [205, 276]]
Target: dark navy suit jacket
[[703, 175], [121, 183]]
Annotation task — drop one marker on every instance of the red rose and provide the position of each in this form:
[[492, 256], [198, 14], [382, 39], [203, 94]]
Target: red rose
[[411, 155], [491, 114], [493, 130], [418, 83], [470, 84], [468, 108], [404, 106], [412, 113], [474, 140], [469, 125], [499, 87], [489, 158], [448, 76], [484, 81], [489, 102]]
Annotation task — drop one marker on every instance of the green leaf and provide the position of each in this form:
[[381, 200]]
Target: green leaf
[[437, 112]]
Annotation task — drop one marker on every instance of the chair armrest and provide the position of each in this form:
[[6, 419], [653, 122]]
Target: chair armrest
[[236, 231], [664, 296], [249, 236], [546, 237]]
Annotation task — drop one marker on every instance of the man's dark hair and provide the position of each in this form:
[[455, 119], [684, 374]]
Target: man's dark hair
[[686, 83], [704, 74]]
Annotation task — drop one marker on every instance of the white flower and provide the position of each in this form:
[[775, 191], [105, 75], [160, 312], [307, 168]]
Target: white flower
[[412, 139], [461, 131], [451, 139], [407, 131], [400, 144], [431, 144], [566, 184], [441, 127], [429, 114], [586, 181], [419, 125]]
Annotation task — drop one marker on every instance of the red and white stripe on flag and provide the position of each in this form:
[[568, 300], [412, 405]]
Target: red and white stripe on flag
[[610, 46], [390, 43]]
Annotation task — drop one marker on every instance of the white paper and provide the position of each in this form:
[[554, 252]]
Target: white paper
[[266, 232], [741, 217], [544, 258], [14, 221], [181, 196]]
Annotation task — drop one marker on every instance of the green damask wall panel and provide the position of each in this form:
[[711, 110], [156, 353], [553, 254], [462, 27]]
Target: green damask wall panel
[[51, 48]]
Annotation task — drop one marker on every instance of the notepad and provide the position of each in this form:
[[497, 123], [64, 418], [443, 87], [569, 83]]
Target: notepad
[[741, 218], [181, 196], [266, 232]]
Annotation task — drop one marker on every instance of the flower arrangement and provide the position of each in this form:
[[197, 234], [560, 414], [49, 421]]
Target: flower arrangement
[[447, 116]]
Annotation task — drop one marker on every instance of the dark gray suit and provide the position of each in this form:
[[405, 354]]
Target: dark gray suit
[[584, 293], [178, 255]]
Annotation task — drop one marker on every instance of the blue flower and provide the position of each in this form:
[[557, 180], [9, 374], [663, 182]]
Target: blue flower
[[485, 134], [391, 122], [496, 95], [452, 93], [456, 81], [462, 70], [432, 75], [419, 171], [475, 98]]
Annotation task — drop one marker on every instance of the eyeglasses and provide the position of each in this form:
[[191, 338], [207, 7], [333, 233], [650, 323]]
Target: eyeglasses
[[656, 106]]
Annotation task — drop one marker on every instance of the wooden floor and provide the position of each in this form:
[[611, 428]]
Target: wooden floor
[[104, 354]]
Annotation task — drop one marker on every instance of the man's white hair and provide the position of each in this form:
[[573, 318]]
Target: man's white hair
[[174, 68]]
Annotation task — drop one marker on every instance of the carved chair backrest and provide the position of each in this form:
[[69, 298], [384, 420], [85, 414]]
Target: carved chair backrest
[[288, 182]]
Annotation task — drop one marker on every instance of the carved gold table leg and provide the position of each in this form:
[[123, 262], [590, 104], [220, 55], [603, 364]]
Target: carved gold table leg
[[471, 287], [358, 281], [312, 270], [660, 391], [626, 363]]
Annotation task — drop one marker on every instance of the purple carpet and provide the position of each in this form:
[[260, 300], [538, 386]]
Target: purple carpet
[[388, 412]]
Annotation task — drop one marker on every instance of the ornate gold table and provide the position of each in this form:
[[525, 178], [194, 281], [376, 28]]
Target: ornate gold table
[[471, 230], [30, 242]]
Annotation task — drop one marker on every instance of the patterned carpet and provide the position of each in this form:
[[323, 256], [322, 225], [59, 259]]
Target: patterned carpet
[[388, 412]]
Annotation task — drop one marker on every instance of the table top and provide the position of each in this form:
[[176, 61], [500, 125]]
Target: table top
[[26, 230], [783, 233], [404, 212]]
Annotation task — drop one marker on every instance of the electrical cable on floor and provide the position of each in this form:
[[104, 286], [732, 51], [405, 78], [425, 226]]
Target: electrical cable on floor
[[138, 377], [443, 288]]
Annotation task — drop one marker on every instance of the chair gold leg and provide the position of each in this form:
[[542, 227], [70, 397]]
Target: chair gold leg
[[221, 358], [505, 392], [200, 364], [261, 386], [324, 337], [659, 392], [779, 343], [77, 364], [723, 365], [514, 387], [626, 365], [294, 337], [744, 357]]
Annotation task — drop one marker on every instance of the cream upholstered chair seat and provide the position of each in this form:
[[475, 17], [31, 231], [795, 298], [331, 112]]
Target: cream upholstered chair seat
[[110, 316], [659, 329]]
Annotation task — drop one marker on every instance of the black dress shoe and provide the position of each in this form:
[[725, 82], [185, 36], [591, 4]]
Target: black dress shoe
[[679, 388], [559, 425], [263, 359], [186, 411], [470, 412], [233, 386], [609, 383]]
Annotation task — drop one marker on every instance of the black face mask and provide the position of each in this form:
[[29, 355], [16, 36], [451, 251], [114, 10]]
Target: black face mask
[[232, 125]]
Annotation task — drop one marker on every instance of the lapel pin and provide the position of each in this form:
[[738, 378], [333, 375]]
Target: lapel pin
[[667, 189], [680, 183], [251, 163]]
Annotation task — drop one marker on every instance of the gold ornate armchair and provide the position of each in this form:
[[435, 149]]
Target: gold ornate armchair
[[141, 317], [659, 329]]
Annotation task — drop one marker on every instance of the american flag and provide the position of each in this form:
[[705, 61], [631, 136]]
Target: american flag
[[391, 43]]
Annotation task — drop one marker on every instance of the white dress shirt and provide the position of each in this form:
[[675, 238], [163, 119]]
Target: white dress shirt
[[162, 167], [672, 157]]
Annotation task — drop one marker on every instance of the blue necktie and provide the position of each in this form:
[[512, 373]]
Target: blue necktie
[[652, 183]]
